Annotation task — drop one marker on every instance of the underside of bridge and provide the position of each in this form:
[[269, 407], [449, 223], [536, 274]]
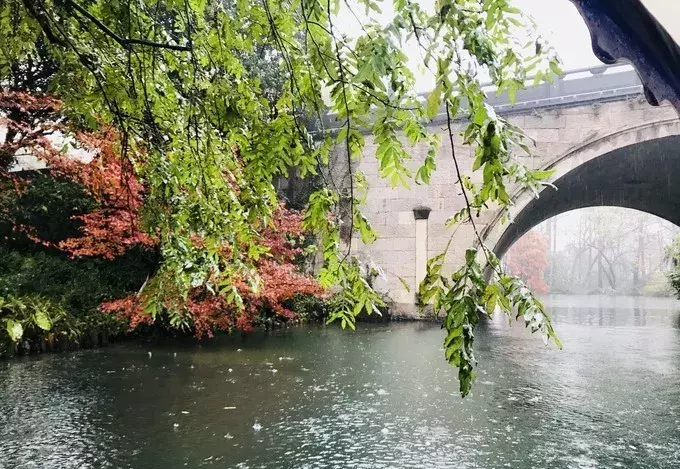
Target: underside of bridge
[[643, 176]]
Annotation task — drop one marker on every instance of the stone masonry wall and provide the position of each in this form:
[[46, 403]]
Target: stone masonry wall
[[390, 210]]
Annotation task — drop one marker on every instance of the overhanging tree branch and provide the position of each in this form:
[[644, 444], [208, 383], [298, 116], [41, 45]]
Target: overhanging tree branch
[[126, 43], [43, 21]]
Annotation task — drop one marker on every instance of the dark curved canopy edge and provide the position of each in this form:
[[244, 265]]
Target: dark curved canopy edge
[[626, 30]]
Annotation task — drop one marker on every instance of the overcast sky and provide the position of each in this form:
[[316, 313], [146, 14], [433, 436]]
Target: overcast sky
[[561, 24], [557, 20]]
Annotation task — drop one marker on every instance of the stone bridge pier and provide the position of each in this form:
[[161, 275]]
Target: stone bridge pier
[[593, 127]]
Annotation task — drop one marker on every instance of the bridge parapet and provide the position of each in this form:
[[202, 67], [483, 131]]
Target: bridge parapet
[[576, 87]]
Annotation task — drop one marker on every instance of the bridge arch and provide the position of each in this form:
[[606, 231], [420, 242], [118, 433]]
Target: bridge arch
[[635, 167]]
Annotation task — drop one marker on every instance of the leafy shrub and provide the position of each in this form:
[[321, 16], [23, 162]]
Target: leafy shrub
[[35, 273], [309, 308], [101, 200], [673, 258], [31, 319], [674, 279]]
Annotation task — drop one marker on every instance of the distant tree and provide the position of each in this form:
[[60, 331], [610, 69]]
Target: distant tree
[[613, 249], [528, 259]]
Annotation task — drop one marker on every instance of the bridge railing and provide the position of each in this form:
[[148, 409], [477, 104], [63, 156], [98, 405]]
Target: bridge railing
[[602, 83], [585, 85]]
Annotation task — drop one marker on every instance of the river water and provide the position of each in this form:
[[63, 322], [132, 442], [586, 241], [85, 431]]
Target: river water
[[382, 397]]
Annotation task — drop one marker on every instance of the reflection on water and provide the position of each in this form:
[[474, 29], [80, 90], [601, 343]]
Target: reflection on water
[[378, 398]]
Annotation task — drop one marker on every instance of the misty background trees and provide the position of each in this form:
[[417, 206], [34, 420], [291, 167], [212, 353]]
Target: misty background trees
[[607, 250]]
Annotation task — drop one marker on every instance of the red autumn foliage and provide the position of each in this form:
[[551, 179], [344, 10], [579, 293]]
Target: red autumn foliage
[[114, 227], [33, 125], [29, 119], [279, 280], [528, 259]]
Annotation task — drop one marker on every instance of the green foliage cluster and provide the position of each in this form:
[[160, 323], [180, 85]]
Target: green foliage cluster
[[45, 203], [208, 141], [38, 281], [33, 320], [659, 284], [465, 296]]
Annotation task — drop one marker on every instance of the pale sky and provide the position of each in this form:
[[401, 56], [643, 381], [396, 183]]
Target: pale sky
[[557, 20], [561, 24]]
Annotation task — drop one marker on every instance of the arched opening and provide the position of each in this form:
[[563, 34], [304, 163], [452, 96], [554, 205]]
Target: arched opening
[[635, 168], [597, 250]]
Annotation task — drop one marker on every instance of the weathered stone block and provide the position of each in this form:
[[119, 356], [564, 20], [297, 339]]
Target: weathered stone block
[[393, 230], [403, 246], [588, 121], [406, 218], [545, 121], [630, 118], [577, 136], [659, 113], [543, 135]]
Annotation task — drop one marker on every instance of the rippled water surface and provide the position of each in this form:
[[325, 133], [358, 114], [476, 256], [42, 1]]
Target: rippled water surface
[[378, 398]]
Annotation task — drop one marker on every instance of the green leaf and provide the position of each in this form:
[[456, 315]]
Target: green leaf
[[480, 116], [42, 321], [555, 68], [542, 175], [406, 286], [15, 330], [470, 256], [478, 162], [434, 101]]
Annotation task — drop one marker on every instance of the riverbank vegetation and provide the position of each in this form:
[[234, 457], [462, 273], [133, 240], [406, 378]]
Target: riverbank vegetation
[[66, 279], [188, 141], [673, 259]]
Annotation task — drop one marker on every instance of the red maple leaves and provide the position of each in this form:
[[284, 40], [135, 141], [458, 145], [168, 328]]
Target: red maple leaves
[[278, 282]]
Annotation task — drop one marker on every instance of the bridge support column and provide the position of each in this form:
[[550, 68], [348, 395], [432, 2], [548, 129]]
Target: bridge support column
[[421, 215]]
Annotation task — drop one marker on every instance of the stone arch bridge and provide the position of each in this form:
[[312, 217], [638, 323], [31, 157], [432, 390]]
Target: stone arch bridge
[[607, 145]]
